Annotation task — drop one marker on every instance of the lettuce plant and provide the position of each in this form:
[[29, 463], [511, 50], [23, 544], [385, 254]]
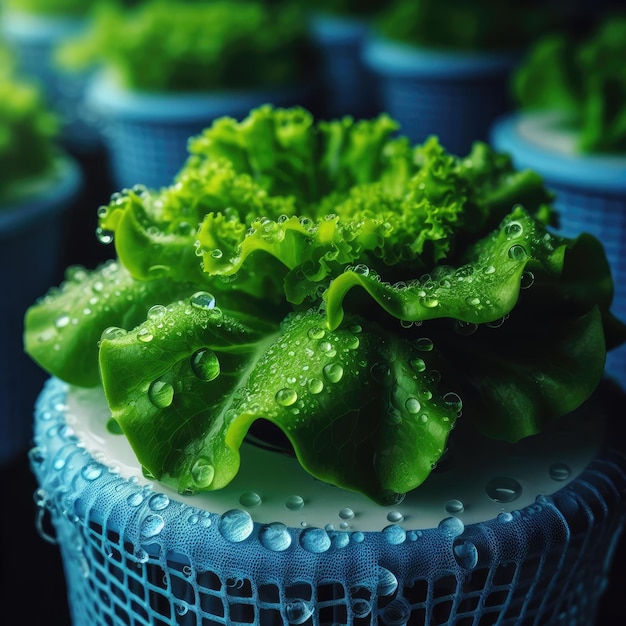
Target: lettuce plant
[[465, 24], [174, 45], [356, 291], [584, 79], [27, 133]]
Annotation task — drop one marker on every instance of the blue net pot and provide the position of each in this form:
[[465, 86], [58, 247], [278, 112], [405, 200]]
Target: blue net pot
[[531, 546], [146, 134], [33, 40], [454, 95], [31, 237], [348, 87], [590, 193]]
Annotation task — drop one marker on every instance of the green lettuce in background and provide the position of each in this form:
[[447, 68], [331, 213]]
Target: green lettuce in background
[[28, 130], [582, 77], [182, 45], [358, 292]]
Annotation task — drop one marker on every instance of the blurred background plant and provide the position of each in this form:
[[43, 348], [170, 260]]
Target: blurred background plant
[[28, 132], [187, 45], [583, 77]]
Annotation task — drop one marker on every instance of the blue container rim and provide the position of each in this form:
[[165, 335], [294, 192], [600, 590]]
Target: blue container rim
[[601, 172], [401, 59], [49, 199], [107, 95]]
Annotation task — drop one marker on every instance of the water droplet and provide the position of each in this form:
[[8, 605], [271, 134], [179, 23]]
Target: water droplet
[[454, 506], [505, 517], [205, 364], [418, 365], [357, 537], [465, 328], [513, 230], [466, 554], [413, 405], [202, 300], [387, 582], [158, 502], [294, 503], [333, 372], [235, 525], [298, 611], [361, 608], [425, 344], [472, 301], [152, 525], [451, 526], [527, 280], [161, 394], [316, 333], [216, 253], [104, 236], [394, 516], [111, 333], [250, 499], [145, 336], [62, 321], [91, 471], [315, 386], [346, 513], [490, 269], [275, 537], [559, 471], [518, 253], [394, 534], [453, 400], [503, 489], [202, 473], [396, 613], [352, 342], [315, 540], [134, 499], [286, 396], [156, 311]]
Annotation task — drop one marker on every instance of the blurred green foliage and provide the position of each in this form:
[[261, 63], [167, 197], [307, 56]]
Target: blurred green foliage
[[585, 77]]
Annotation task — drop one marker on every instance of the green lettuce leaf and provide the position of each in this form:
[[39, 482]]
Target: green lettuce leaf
[[360, 408]]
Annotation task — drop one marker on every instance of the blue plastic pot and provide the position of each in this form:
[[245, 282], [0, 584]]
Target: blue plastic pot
[[31, 239], [146, 134], [263, 553], [590, 193], [33, 40], [348, 87], [454, 95]]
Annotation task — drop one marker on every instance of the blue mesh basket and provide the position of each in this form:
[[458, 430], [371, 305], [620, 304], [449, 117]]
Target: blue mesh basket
[[31, 232], [146, 134], [137, 553], [348, 86], [590, 194], [33, 40], [455, 96]]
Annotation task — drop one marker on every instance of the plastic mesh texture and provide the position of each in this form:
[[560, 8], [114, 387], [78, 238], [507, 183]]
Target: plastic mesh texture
[[146, 135], [31, 233], [33, 41], [133, 556], [348, 85], [428, 95]]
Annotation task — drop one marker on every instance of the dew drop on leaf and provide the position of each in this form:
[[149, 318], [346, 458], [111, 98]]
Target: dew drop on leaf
[[205, 364]]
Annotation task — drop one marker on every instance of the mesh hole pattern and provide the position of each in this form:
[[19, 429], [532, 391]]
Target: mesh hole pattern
[[545, 567]]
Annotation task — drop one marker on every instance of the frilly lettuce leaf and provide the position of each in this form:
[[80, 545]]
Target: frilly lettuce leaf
[[359, 406], [289, 154]]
